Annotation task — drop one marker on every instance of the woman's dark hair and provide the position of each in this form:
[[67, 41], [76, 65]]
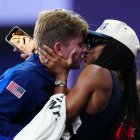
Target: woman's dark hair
[[117, 57]]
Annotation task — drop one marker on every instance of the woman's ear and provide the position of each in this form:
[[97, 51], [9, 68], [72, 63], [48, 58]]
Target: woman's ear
[[58, 48]]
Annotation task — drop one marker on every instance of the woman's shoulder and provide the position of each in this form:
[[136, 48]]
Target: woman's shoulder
[[98, 75], [95, 69]]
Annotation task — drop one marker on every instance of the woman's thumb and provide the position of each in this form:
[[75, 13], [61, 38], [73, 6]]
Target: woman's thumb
[[70, 59]]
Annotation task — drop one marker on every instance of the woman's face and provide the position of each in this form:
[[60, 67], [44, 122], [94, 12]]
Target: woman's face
[[93, 54]]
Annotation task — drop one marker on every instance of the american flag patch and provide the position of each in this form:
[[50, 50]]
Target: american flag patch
[[17, 90]]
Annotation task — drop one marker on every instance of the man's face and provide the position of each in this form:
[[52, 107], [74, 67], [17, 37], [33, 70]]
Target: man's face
[[75, 43]]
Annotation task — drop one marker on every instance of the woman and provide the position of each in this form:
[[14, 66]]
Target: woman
[[105, 93]]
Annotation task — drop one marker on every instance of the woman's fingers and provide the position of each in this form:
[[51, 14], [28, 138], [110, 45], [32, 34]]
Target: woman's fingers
[[49, 51], [53, 62], [46, 59], [44, 55], [70, 58]]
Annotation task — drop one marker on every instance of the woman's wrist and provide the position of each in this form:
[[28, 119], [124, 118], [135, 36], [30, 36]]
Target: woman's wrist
[[60, 84], [60, 87], [62, 77]]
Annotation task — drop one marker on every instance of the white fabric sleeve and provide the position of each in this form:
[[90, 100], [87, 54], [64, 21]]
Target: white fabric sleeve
[[75, 125], [49, 123]]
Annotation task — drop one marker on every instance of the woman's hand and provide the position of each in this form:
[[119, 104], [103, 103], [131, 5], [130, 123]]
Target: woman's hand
[[54, 62]]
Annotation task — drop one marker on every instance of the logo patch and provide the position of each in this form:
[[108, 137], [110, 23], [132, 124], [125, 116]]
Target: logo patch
[[16, 89], [103, 26]]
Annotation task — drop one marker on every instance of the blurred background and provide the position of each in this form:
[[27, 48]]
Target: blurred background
[[24, 14]]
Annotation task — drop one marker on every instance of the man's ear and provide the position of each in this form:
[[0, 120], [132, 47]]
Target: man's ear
[[58, 48]]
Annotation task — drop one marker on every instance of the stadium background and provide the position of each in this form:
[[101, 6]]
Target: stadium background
[[24, 14]]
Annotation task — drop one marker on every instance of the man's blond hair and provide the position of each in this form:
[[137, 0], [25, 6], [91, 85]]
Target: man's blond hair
[[58, 25]]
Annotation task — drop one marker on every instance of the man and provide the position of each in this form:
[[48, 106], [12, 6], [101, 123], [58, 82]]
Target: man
[[105, 93], [25, 88]]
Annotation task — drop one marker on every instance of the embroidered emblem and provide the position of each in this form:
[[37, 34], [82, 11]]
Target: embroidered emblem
[[16, 89], [103, 26]]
